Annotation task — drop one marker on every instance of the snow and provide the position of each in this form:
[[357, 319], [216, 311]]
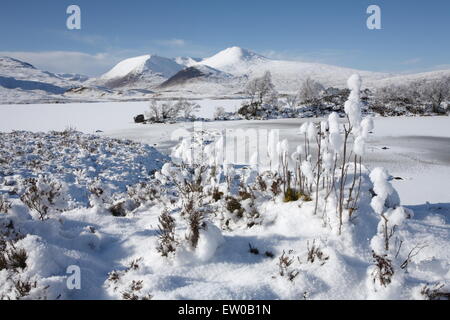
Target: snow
[[311, 132], [22, 71], [139, 65], [386, 196], [186, 61], [367, 126], [123, 68], [307, 170], [418, 146], [210, 240], [359, 146], [352, 106], [233, 60], [86, 117]]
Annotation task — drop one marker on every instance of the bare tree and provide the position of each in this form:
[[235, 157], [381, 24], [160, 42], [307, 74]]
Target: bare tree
[[436, 92], [260, 89], [310, 91], [187, 108], [161, 112], [292, 100]]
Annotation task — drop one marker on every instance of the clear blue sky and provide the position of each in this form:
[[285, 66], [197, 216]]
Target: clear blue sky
[[415, 34]]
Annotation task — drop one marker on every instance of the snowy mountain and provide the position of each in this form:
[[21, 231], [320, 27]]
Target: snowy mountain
[[21, 82], [18, 74], [244, 64], [235, 60], [223, 74], [140, 72], [406, 78]]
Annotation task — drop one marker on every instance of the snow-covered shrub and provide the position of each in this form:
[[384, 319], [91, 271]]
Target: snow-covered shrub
[[436, 92], [315, 253], [383, 270], [282, 151], [166, 234], [99, 194], [285, 266], [435, 292], [125, 284], [383, 275], [144, 192], [360, 133], [11, 257], [118, 209], [187, 109], [193, 186], [310, 91], [219, 113], [43, 196], [263, 98], [5, 204], [422, 97], [321, 166], [210, 238], [14, 284], [292, 100], [260, 89], [386, 203], [169, 111], [195, 223], [132, 293]]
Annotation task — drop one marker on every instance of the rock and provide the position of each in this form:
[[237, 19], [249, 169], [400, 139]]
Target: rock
[[139, 118], [118, 210]]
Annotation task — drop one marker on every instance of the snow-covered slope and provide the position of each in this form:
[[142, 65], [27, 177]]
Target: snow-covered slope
[[22, 71], [195, 73], [287, 75], [240, 65], [187, 61], [407, 78], [201, 80], [20, 82], [235, 60], [75, 77], [140, 72]]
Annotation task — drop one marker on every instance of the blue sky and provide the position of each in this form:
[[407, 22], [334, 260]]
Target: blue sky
[[414, 35]]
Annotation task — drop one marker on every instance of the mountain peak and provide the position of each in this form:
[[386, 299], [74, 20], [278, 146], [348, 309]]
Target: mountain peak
[[11, 62], [238, 52], [127, 66], [232, 59], [150, 68]]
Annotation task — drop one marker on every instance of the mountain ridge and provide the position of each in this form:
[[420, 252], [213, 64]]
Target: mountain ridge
[[222, 74]]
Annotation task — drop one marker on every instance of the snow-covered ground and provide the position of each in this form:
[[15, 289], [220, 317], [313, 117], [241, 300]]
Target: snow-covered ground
[[90, 117], [115, 253], [419, 149]]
